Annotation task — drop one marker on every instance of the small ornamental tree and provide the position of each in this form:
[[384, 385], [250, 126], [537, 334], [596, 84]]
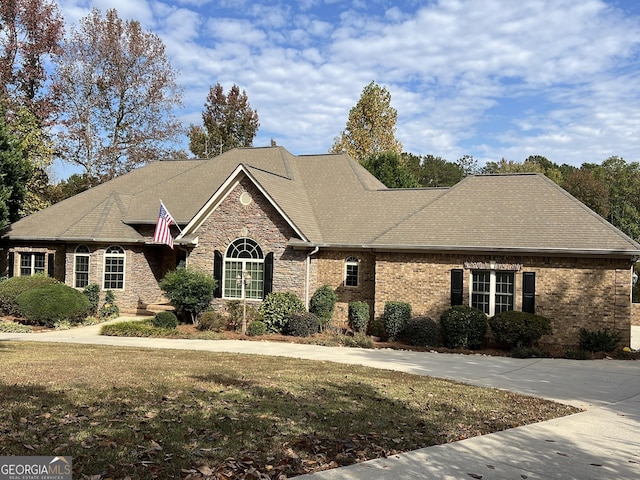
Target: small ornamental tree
[[322, 304], [189, 291]]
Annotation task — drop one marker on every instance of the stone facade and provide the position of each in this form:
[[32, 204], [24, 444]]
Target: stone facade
[[144, 268], [573, 293], [259, 221]]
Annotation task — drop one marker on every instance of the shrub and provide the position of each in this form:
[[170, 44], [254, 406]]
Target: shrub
[[256, 328], [109, 309], [396, 317], [189, 291], [421, 332], [13, 327], [92, 292], [165, 320], [376, 328], [213, 321], [276, 308], [53, 303], [13, 287], [603, 340], [322, 304], [513, 329], [236, 310], [463, 326], [359, 316], [359, 340], [302, 324], [135, 328]]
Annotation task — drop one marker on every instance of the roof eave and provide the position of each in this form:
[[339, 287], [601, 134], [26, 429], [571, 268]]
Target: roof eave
[[570, 252]]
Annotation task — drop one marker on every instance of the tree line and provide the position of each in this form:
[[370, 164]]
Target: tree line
[[103, 97]]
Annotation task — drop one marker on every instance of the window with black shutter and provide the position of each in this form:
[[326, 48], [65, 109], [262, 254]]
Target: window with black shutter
[[457, 286], [51, 265], [268, 274], [529, 292], [217, 273], [12, 258]]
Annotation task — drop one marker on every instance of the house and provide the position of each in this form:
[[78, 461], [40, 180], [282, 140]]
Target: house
[[294, 223]]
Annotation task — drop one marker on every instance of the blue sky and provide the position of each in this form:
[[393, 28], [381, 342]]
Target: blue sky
[[490, 78]]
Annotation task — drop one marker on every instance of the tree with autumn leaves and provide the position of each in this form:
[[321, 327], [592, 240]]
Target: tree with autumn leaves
[[117, 94], [371, 126]]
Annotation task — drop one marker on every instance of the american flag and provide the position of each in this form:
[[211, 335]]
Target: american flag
[[163, 231]]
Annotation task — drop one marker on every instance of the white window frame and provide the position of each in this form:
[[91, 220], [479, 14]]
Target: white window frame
[[248, 254], [32, 263], [492, 293], [351, 262], [81, 251], [110, 253]]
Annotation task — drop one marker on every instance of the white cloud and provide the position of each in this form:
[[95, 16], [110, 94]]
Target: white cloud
[[491, 79]]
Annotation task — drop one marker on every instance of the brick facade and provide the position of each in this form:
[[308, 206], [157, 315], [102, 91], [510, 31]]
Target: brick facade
[[572, 293], [331, 271]]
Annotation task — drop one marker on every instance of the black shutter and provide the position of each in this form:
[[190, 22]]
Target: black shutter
[[457, 286], [268, 274], [529, 292], [217, 273], [12, 258], [51, 265]]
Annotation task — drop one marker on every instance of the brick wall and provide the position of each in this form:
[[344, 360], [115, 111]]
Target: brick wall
[[331, 271], [572, 293]]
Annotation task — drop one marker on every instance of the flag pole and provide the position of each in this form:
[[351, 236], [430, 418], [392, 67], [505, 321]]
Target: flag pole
[[174, 220]]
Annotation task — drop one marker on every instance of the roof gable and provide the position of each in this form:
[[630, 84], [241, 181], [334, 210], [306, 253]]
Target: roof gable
[[241, 172]]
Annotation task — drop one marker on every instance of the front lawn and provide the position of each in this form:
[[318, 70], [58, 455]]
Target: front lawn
[[142, 413]]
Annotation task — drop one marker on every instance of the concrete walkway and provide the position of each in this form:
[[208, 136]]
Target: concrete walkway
[[601, 443]]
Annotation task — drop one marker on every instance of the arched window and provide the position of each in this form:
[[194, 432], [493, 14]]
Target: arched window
[[114, 260], [243, 270], [351, 265], [81, 266]]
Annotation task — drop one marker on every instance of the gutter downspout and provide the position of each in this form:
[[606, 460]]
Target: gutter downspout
[[306, 283]]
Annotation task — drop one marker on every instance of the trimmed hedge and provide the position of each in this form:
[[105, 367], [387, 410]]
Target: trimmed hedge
[[303, 324], [165, 320], [12, 288], [463, 326], [359, 316], [52, 304], [421, 332], [396, 317], [513, 329], [322, 304], [276, 309]]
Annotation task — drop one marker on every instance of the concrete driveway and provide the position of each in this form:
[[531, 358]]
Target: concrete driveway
[[603, 442]]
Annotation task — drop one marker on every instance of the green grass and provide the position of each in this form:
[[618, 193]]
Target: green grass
[[146, 413]]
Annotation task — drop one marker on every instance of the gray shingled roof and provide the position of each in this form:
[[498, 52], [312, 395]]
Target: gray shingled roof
[[335, 202]]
